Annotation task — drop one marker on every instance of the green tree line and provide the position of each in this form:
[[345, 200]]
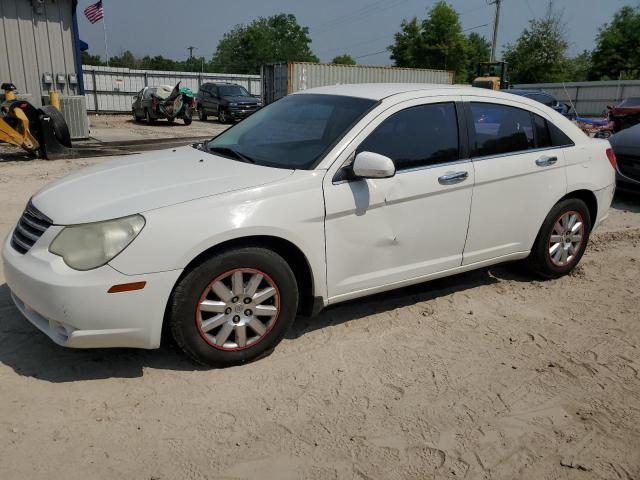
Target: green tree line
[[540, 53]]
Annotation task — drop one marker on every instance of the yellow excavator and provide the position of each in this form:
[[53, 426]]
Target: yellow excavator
[[42, 132], [491, 75]]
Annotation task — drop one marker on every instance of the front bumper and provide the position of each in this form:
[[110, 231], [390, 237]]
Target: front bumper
[[237, 113], [74, 309]]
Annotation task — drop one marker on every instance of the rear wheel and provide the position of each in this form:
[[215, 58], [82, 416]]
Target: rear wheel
[[562, 239], [187, 117], [234, 307]]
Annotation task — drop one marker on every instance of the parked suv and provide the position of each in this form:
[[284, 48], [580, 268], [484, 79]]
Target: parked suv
[[543, 97], [226, 101]]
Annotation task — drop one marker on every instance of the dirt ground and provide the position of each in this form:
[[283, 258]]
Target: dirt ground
[[485, 375], [107, 128]]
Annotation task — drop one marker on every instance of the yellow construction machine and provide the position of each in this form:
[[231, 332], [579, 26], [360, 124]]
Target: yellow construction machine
[[491, 75], [42, 132]]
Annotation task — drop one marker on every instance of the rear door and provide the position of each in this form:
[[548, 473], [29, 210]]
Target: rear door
[[520, 175]]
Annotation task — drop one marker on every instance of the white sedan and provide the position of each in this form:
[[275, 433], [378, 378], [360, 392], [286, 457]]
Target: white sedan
[[324, 196]]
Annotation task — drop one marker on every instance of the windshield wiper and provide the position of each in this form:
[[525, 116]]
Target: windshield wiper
[[233, 153]]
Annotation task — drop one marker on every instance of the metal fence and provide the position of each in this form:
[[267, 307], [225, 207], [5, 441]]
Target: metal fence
[[589, 98], [110, 89]]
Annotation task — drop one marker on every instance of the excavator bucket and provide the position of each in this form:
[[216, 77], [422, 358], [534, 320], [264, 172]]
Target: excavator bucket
[[42, 131]]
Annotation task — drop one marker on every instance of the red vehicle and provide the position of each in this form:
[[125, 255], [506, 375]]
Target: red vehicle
[[624, 115]]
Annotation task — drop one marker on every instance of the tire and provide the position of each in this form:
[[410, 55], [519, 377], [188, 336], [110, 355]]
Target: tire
[[136, 118], [212, 334], [187, 117], [60, 128], [147, 117], [222, 116], [557, 251], [171, 119], [202, 115]]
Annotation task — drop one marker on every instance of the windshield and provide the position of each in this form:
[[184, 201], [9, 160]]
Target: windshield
[[294, 132], [233, 91]]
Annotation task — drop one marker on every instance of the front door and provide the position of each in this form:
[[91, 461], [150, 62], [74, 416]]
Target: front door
[[382, 233]]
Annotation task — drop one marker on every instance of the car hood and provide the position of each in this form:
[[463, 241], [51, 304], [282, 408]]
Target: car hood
[[137, 183]]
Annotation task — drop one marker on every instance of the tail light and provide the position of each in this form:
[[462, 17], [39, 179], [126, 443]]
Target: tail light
[[193, 103], [612, 158]]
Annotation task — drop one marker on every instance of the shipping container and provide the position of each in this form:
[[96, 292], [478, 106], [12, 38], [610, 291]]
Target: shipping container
[[281, 79]]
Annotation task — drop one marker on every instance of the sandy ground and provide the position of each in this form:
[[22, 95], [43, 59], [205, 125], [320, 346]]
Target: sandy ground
[[486, 375], [112, 128]]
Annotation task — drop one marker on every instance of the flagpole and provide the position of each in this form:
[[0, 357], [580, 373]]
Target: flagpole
[[104, 28]]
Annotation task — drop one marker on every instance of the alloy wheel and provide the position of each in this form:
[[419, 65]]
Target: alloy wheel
[[238, 309], [566, 238]]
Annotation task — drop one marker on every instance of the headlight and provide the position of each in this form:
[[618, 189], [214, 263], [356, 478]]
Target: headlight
[[92, 245], [233, 104]]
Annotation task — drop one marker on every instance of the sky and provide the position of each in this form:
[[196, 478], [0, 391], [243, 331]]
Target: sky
[[361, 28]]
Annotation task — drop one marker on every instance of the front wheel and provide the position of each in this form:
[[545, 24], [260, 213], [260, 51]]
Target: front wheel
[[234, 307], [562, 239], [202, 115], [222, 116]]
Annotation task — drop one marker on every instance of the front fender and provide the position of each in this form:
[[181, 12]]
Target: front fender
[[292, 209]]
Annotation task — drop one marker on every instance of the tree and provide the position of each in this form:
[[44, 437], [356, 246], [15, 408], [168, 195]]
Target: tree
[[88, 59], [478, 50], [437, 42], [265, 40], [617, 52], [540, 53], [125, 60], [580, 67], [343, 60]]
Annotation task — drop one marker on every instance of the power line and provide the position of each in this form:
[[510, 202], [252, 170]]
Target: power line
[[370, 54], [477, 26], [359, 15]]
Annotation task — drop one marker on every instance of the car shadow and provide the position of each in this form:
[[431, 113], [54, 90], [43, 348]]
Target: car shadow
[[31, 353], [403, 297], [626, 201], [178, 122]]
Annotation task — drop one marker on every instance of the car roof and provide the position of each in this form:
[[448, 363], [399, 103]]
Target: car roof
[[379, 91]]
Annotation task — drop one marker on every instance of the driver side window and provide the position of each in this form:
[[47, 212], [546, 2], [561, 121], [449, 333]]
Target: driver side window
[[417, 136]]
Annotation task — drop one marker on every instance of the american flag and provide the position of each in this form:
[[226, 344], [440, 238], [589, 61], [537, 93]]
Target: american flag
[[94, 12]]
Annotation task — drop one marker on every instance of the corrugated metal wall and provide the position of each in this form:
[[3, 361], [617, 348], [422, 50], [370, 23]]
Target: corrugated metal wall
[[36, 38], [111, 89], [589, 98], [310, 75]]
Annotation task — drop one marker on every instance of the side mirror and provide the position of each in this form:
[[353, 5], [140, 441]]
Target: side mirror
[[373, 165]]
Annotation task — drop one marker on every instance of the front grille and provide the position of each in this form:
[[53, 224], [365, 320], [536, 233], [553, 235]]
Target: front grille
[[29, 229], [629, 166]]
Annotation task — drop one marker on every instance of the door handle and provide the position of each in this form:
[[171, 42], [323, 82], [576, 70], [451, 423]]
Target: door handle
[[546, 161], [452, 178]]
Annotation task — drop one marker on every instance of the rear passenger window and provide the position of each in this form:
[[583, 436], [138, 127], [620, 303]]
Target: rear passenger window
[[501, 129], [543, 138], [548, 135], [417, 137]]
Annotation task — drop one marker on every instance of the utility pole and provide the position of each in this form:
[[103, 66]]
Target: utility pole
[[496, 22], [191, 49]]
